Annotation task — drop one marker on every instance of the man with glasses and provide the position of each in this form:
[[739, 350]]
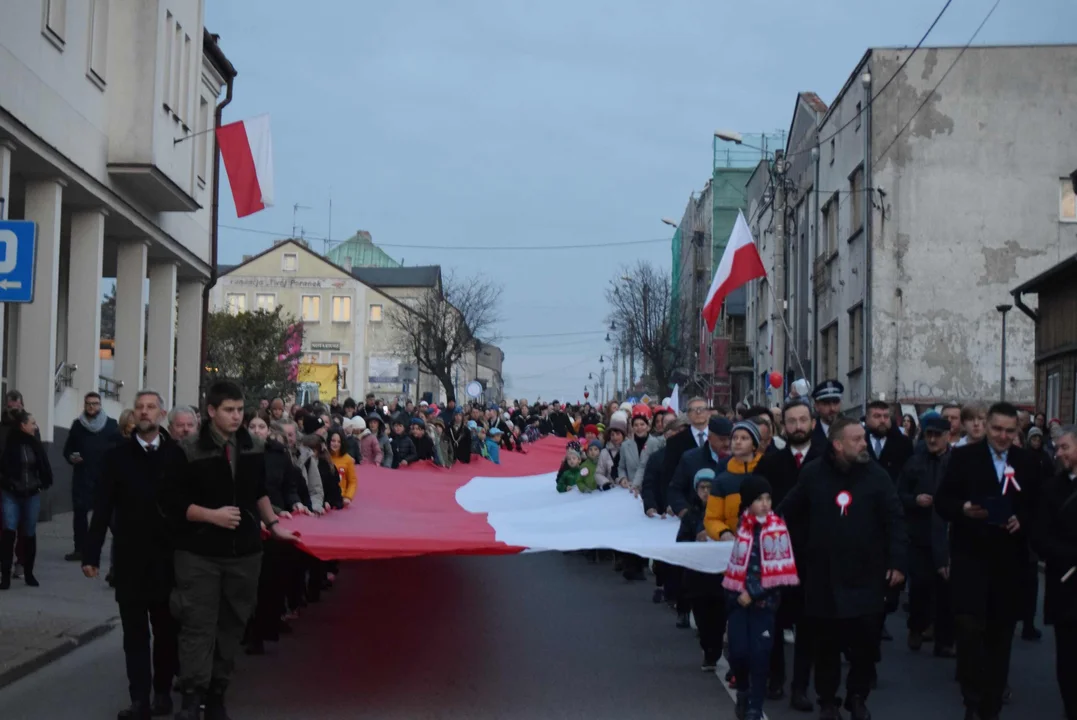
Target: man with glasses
[[987, 496], [90, 436]]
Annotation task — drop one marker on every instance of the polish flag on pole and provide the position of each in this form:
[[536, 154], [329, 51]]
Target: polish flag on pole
[[247, 151], [740, 263]]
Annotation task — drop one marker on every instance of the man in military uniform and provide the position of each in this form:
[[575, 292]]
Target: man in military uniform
[[827, 399]]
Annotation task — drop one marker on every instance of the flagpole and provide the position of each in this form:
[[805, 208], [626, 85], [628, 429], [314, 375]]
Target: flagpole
[[788, 333]]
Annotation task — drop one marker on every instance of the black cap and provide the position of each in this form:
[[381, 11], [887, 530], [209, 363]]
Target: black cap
[[751, 487], [829, 390], [720, 426]]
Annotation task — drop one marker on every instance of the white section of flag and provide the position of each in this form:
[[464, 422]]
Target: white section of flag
[[261, 142]]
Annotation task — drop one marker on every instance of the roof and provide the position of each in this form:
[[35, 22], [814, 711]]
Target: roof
[[211, 47], [1048, 277], [814, 101], [362, 252], [427, 276], [223, 270]]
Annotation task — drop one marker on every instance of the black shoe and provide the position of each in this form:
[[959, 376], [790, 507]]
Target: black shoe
[[162, 705], [658, 596], [856, 707], [5, 581], [916, 640], [215, 708], [945, 651], [31, 581], [139, 710], [76, 556], [741, 710], [710, 661], [682, 621], [929, 634], [775, 690], [191, 707], [829, 712], [798, 700], [1031, 633]]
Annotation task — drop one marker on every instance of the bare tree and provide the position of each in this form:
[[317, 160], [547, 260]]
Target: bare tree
[[441, 326], [644, 314]]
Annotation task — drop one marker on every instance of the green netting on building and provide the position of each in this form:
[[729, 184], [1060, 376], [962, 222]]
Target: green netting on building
[[729, 198], [676, 287], [362, 252]]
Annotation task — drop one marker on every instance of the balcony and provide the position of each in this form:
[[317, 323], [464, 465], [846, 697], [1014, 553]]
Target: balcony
[[739, 358]]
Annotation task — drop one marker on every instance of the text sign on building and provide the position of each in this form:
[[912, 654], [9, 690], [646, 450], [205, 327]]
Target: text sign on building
[[325, 346], [18, 241], [284, 283]]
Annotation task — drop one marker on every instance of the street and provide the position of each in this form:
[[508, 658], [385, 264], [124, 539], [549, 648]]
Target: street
[[540, 635]]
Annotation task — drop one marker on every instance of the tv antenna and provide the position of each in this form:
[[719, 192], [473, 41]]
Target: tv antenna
[[295, 211]]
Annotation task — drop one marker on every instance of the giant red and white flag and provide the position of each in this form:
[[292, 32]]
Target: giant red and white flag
[[247, 151], [486, 509], [740, 264]]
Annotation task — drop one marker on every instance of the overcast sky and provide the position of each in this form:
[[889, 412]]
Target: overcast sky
[[529, 124]]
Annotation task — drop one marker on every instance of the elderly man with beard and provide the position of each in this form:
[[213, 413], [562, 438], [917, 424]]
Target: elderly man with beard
[[183, 421], [131, 485], [846, 510], [782, 470]]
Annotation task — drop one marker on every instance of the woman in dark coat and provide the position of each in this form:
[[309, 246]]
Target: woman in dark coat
[[25, 470], [460, 438]]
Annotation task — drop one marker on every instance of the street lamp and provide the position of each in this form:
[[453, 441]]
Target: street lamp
[[1004, 308], [669, 222], [729, 136]]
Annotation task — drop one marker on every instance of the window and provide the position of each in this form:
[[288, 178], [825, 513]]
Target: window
[[829, 246], [169, 39], [375, 313], [183, 104], [265, 301], [1067, 208], [175, 68], [856, 199], [859, 114], [54, 21], [341, 360], [236, 303], [832, 153], [310, 358], [856, 338], [202, 140], [312, 308], [828, 352], [760, 301], [289, 262], [1054, 394], [98, 41], [342, 308]]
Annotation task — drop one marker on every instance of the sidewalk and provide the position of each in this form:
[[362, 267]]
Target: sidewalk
[[40, 625]]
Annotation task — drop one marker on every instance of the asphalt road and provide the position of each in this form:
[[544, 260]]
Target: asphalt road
[[543, 636]]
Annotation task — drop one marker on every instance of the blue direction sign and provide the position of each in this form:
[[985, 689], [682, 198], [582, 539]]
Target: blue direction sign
[[18, 240]]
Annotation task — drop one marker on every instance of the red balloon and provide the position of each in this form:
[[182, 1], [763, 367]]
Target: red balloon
[[586, 395], [775, 379]]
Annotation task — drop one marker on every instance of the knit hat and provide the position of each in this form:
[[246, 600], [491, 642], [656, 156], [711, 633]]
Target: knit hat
[[626, 407], [355, 423], [720, 426], [594, 443], [751, 487], [312, 424], [701, 475], [751, 428], [419, 422], [574, 448], [619, 421], [641, 410], [592, 429], [1034, 432]]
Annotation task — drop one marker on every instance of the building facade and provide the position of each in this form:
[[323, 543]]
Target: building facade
[[919, 209], [106, 116]]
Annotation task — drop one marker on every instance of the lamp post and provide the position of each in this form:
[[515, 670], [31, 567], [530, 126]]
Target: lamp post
[[1004, 308]]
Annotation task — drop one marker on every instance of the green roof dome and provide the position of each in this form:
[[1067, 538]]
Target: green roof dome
[[362, 252]]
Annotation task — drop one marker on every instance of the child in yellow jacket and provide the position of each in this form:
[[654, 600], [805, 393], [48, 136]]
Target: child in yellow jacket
[[723, 505], [345, 465]]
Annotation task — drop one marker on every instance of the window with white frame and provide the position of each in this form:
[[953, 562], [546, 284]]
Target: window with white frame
[[828, 352], [341, 360], [312, 308], [54, 21], [176, 68], [236, 303], [204, 121], [170, 39], [98, 56], [856, 338], [856, 199], [265, 301], [1054, 393], [342, 308], [1067, 201], [375, 313], [289, 262]]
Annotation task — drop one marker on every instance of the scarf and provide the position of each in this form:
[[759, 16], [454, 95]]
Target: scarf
[[96, 423], [776, 554]]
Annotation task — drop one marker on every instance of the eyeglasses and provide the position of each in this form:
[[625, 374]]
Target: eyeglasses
[[698, 410]]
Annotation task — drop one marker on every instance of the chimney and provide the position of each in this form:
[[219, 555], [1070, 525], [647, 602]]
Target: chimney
[[247, 257], [346, 263]]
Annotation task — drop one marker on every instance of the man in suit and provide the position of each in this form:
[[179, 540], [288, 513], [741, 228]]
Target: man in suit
[[130, 485], [782, 470], [887, 445], [827, 398], [1055, 540], [987, 495]]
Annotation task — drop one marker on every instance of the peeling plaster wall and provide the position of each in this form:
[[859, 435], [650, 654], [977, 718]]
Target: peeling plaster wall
[[971, 210]]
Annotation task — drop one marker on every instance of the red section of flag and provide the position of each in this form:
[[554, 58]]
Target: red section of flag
[[739, 265], [239, 164], [413, 511]]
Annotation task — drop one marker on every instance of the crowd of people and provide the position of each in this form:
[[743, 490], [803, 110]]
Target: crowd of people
[[830, 519]]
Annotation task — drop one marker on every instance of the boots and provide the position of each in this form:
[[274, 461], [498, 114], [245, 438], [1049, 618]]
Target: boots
[[7, 557], [190, 707], [30, 552]]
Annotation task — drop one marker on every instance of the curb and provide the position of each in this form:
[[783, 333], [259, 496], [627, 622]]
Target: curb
[[65, 643]]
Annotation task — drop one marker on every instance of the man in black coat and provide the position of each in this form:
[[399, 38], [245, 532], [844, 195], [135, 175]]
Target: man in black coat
[[827, 398], [929, 543], [559, 421], [846, 510], [131, 485], [1055, 539], [888, 446], [782, 469], [712, 454], [988, 495], [92, 433]]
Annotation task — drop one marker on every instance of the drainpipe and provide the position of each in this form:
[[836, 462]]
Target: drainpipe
[[217, 115], [815, 155], [869, 196]]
